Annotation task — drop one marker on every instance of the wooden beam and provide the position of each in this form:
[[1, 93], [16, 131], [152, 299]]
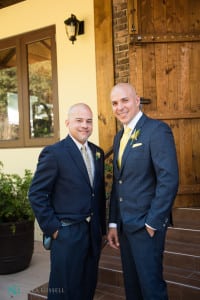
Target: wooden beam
[[5, 3], [173, 115], [104, 71], [189, 189], [140, 39]]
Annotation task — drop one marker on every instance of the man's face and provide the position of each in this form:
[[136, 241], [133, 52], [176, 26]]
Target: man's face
[[125, 104], [80, 124]]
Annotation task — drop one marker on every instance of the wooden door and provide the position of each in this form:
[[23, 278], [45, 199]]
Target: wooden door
[[165, 67]]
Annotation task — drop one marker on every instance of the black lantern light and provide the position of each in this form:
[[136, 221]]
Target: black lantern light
[[73, 27]]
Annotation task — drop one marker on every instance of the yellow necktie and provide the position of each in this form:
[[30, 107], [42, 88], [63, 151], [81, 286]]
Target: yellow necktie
[[87, 163], [123, 143]]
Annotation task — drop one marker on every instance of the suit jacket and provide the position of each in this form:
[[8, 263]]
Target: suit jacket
[[145, 187], [61, 188]]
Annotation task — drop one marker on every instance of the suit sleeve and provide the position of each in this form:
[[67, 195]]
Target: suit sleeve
[[163, 154], [41, 190]]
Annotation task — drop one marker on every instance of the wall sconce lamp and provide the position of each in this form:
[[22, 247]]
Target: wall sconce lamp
[[73, 27]]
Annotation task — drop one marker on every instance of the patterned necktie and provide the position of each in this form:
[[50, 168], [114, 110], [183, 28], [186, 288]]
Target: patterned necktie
[[123, 143], [87, 163]]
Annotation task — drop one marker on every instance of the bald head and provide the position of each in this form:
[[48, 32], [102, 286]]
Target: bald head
[[125, 102], [78, 107], [79, 122], [127, 87]]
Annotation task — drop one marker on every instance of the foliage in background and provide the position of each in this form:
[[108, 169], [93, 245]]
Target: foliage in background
[[108, 181], [108, 177], [14, 203]]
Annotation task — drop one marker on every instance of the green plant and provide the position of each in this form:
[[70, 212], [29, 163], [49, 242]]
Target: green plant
[[14, 203], [108, 177], [108, 180]]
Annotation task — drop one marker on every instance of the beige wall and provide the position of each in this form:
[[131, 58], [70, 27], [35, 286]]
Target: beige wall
[[76, 63]]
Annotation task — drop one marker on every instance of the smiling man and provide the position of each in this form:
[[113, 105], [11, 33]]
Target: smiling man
[[67, 195], [145, 183]]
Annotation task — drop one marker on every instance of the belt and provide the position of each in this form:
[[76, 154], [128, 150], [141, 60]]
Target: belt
[[68, 223]]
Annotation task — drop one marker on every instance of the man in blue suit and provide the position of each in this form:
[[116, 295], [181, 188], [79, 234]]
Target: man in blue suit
[[68, 198], [145, 184]]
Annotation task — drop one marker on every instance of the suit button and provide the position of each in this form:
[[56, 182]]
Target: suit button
[[120, 181], [120, 199], [92, 195]]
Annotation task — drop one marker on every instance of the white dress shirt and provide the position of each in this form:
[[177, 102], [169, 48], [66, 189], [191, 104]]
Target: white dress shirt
[[79, 145]]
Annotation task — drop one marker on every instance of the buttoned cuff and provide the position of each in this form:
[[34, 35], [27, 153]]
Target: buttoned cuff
[[112, 225], [150, 226]]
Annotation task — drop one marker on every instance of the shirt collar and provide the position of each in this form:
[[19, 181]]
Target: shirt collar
[[79, 145], [134, 121]]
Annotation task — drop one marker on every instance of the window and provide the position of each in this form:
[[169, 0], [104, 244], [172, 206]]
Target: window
[[28, 90]]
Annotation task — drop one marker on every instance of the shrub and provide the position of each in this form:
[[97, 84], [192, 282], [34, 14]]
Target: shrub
[[14, 203]]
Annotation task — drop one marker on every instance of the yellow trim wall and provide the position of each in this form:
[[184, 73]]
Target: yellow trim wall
[[75, 63]]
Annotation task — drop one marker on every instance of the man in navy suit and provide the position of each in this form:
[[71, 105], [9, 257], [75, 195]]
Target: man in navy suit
[[70, 208], [145, 184]]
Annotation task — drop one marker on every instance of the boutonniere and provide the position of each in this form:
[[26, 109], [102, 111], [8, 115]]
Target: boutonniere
[[98, 155], [134, 136]]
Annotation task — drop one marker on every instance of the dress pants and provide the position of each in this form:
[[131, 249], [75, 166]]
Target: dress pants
[[73, 274], [142, 262]]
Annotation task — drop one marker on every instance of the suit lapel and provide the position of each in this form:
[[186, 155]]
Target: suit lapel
[[116, 151], [76, 156], [128, 146], [95, 160]]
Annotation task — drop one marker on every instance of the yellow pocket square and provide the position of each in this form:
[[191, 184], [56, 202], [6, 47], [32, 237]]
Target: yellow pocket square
[[136, 145]]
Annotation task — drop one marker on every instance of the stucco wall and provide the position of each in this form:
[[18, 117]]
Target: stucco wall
[[75, 63]]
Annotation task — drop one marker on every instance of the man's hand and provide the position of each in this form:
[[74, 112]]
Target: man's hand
[[113, 238], [55, 234], [150, 231]]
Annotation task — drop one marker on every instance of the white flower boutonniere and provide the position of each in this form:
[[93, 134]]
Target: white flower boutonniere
[[134, 136], [98, 155]]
